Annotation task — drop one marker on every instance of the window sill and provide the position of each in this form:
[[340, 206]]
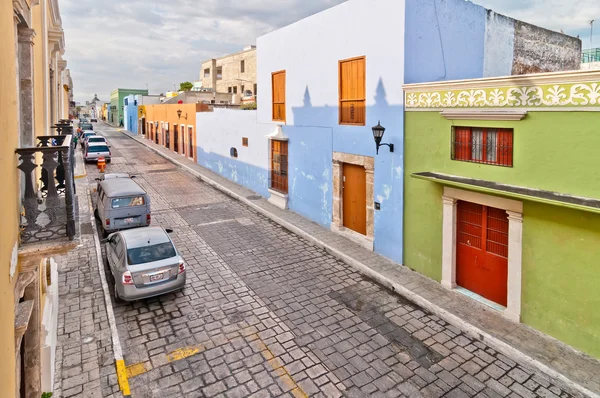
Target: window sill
[[278, 199]]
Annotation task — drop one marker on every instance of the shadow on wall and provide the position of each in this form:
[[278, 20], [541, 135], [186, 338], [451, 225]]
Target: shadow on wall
[[316, 134]]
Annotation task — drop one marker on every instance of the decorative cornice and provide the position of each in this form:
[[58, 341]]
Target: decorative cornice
[[537, 79], [55, 13], [481, 114], [57, 36], [530, 96]]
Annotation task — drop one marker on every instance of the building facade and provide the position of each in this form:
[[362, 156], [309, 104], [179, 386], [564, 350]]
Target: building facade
[[116, 115], [174, 126], [232, 74], [36, 93], [502, 196], [130, 113], [327, 97]]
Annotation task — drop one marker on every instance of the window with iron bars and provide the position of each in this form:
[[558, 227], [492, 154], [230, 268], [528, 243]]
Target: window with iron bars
[[483, 145], [279, 166]]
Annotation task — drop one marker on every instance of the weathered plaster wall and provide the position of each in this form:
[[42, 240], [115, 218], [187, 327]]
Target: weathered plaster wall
[[218, 131], [499, 45], [541, 50], [560, 252]]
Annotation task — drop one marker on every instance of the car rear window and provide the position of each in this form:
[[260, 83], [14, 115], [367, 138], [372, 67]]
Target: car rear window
[[98, 148], [148, 254], [118, 203], [96, 139]]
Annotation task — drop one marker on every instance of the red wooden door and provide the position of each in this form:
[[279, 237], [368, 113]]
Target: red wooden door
[[482, 251]]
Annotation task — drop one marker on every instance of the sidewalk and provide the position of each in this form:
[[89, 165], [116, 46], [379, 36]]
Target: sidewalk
[[517, 341]]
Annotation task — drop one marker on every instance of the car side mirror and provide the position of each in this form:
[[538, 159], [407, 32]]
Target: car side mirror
[[106, 240], [168, 230], [132, 176]]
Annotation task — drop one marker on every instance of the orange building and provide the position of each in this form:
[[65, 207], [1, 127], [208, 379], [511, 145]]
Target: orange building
[[174, 126]]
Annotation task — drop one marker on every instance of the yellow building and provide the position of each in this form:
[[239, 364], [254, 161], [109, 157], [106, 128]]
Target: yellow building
[[36, 92]]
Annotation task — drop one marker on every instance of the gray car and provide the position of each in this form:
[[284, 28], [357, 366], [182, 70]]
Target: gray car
[[144, 263]]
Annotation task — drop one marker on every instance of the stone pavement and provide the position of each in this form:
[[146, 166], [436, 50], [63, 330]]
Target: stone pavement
[[517, 341], [85, 365], [268, 313]]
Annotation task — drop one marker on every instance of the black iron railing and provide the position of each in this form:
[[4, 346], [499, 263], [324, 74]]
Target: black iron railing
[[482, 145], [49, 210]]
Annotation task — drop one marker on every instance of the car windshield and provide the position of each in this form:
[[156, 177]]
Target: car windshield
[[148, 254], [98, 148], [117, 203]]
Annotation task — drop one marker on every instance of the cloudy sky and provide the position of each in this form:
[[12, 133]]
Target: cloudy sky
[[159, 43]]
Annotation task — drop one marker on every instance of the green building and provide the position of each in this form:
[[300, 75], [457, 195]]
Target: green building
[[502, 196], [116, 103]]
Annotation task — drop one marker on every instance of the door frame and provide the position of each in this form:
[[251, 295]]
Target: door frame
[[514, 209], [337, 224]]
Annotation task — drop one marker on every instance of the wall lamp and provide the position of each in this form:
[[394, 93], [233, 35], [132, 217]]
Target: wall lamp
[[179, 114], [378, 135]]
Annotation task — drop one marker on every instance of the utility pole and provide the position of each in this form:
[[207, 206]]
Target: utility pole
[[591, 32]]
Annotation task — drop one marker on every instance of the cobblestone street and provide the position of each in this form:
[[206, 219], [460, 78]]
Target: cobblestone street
[[265, 313]]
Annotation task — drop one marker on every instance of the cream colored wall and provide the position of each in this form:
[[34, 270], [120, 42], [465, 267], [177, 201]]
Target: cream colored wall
[[232, 75], [9, 200]]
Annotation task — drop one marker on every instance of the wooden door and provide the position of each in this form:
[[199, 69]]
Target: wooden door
[[191, 142], [482, 251], [354, 182], [175, 138]]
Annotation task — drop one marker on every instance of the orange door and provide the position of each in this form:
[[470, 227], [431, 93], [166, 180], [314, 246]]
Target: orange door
[[482, 251], [355, 198]]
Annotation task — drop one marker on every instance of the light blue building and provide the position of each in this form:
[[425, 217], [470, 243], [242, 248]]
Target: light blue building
[[329, 78], [130, 113]]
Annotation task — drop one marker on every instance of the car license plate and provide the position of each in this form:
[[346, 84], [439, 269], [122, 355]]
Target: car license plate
[[129, 220], [156, 277]]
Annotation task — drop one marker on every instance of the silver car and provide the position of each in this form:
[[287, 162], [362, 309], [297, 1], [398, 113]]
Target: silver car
[[144, 263], [94, 140], [95, 150]]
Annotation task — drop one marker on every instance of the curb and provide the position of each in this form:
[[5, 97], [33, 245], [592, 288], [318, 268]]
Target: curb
[[452, 319], [117, 350]]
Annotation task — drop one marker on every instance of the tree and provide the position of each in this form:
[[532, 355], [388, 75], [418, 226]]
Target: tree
[[185, 86]]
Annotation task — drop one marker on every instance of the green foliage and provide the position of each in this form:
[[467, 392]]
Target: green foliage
[[46, 394], [248, 106], [185, 86]]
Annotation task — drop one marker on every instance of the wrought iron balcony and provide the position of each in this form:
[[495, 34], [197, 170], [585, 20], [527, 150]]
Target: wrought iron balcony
[[49, 208]]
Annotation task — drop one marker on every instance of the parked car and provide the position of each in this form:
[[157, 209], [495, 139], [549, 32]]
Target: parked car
[[86, 126], [110, 176], [144, 263], [122, 204], [93, 140], [93, 152], [94, 120], [83, 136]]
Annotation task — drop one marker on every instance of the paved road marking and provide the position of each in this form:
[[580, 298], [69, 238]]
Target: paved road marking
[[117, 350], [136, 370], [278, 367], [183, 353]]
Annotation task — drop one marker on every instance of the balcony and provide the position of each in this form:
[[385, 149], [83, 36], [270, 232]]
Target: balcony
[[48, 201]]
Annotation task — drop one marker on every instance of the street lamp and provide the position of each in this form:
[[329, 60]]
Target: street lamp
[[179, 114], [378, 132]]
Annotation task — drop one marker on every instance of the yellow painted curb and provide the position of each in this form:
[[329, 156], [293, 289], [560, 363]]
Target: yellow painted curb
[[122, 377], [81, 176]]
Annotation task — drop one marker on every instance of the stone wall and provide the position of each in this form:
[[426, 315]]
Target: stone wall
[[540, 50]]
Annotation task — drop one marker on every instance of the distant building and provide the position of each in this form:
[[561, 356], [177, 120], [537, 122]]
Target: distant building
[[134, 111], [232, 74], [590, 59], [117, 96]]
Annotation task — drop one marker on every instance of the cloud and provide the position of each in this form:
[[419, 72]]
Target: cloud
[[160, 43]]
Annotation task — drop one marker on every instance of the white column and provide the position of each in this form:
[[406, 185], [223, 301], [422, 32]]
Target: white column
[[515, 251], [449, 243]]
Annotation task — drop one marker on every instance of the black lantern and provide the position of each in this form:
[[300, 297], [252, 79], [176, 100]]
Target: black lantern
[[179, 114], [378, 132]]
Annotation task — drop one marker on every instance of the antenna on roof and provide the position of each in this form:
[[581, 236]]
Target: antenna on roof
[[592, 31]]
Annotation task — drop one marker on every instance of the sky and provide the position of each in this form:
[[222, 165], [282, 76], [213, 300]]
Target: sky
[[156, 44]]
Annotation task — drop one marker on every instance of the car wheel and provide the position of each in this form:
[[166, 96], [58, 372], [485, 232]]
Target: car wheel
[[117, 297], [96, 214]]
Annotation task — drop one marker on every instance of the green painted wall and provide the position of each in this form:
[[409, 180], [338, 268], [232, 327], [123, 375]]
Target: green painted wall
[[561, 247], [117, 98]]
